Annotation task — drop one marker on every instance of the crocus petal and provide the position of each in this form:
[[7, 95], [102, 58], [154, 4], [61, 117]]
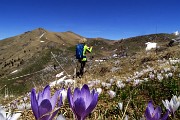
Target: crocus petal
[[34, 104], [44, 117], [15, 116], [93, 92], [2, 113], [85, 93], [60, 117], [63, 92], [147, 114], [79, 107], [45, 107], [165, 104], [92, 105], [165, 116], [82, 102], [39, 98], [157, 113], [70, 100], [8, 114], [69, 97], [77, 94], [54, 99], [46, 92], [2, 117], [60, 101], [53, 114], [176, 106], [174, 98], [150, 107], [171, 103]]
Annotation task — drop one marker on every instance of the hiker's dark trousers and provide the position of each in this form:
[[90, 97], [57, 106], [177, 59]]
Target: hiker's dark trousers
[[82, 65]]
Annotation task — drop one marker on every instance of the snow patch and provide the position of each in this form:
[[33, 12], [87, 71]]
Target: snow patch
[[41, 36], [60, 74], [150, 45], [99, 60], [176, 33], [61, 80], [14, 71]]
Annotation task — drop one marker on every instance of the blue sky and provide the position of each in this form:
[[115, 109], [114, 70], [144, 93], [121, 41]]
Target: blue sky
[[111, 19]]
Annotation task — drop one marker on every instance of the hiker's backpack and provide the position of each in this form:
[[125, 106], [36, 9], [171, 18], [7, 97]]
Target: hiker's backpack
[[79, 51]]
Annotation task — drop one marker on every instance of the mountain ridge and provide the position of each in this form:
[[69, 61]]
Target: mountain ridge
[[32, 51]]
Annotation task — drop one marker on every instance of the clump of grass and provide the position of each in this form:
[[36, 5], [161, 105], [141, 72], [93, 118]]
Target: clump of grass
[[142, 94]]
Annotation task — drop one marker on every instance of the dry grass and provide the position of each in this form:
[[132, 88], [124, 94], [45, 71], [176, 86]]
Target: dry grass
[[134, 98]]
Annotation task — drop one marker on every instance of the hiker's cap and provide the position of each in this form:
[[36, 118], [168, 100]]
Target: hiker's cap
[[83, 40]]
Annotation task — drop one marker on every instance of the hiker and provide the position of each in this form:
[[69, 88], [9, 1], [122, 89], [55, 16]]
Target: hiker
[[81, 50], [170, 44]]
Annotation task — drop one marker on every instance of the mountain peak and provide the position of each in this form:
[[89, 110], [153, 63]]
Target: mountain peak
[[40, 30]]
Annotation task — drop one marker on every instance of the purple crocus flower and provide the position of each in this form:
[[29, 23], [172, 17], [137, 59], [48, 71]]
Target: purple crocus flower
[[43, 104], [82, 102], [154, 114]]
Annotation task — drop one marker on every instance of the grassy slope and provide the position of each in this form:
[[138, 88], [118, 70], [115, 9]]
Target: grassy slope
[[135, 61]]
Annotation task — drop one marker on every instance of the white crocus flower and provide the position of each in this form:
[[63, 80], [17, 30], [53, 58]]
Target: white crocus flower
[[119, 84], [166, 76], [151, 75], [103, 84], [24, 106], [128, 79], [13, 105], [162, 71], [97, 82], [146, 79], [154, 71], [25, 98], [21, 107], [167, 69], [160, 77], [99, 90], [173, 105], [111, 93], [178, 99], [108, 85], [8, 115], [64, 95], [60, 117], [126, 118], [170, 74], [91, 85], [137, 81], [28, 106], [111, 81], [120, 105]]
